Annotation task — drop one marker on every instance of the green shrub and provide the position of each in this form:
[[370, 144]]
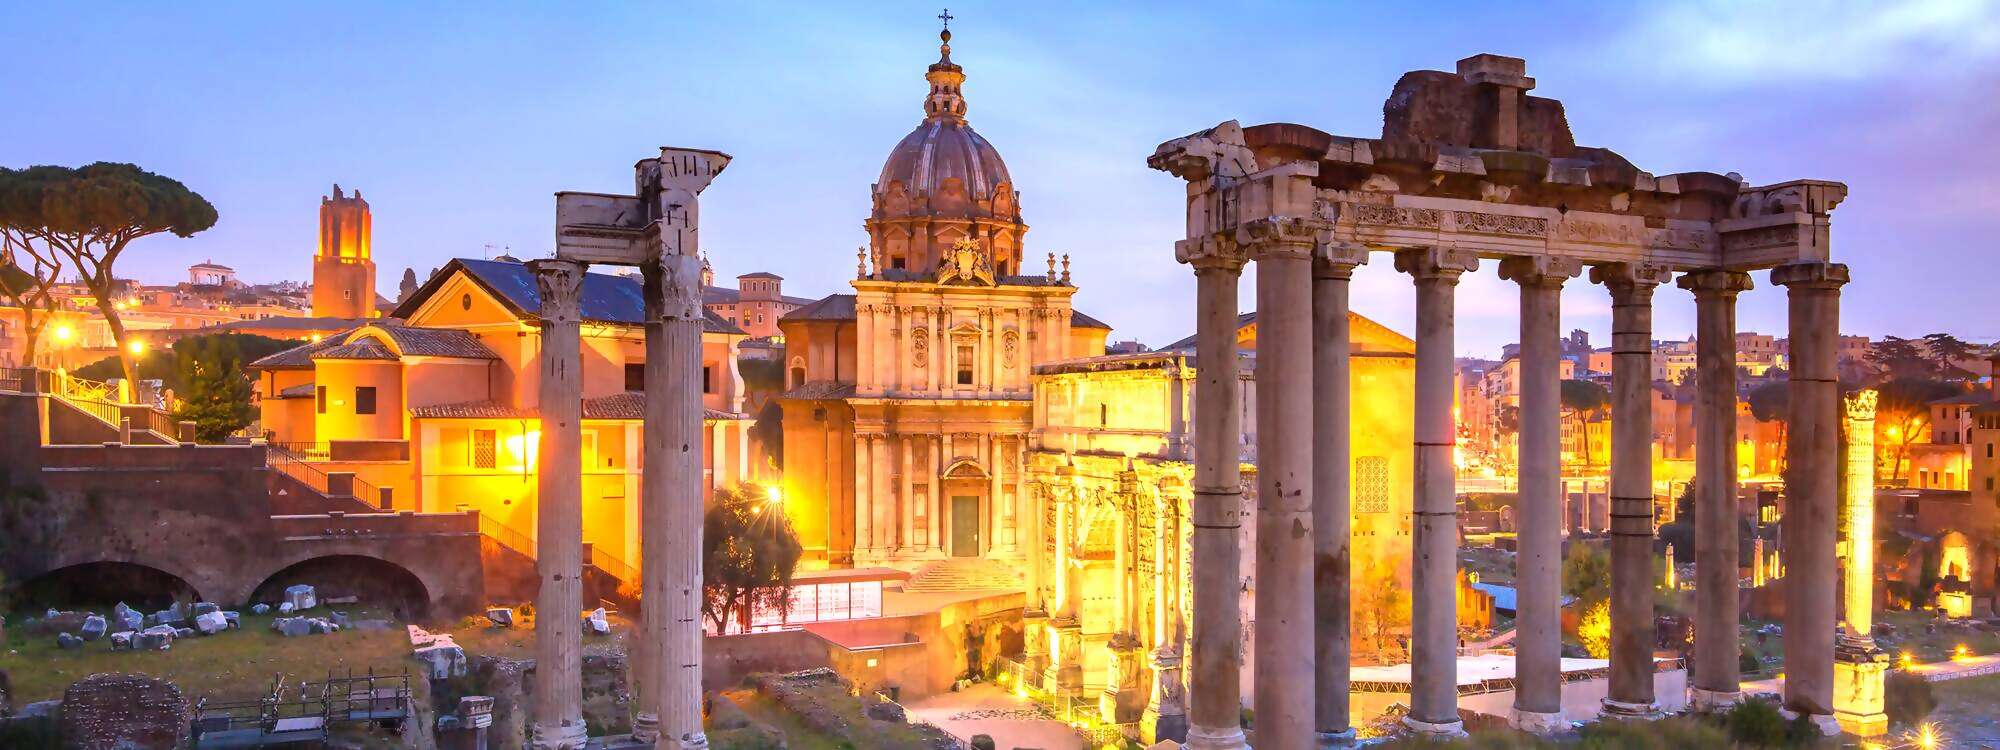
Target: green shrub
[[1756, 723], [1676, 733], [1907, 698], [1747, 663]]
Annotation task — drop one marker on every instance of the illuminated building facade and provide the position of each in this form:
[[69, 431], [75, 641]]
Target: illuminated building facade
[[344, 266]]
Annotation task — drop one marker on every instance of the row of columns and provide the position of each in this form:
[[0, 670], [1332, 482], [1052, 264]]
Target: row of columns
[[1302, 566], [889, 511]]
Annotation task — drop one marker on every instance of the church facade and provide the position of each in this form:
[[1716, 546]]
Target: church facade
[[908, 409]]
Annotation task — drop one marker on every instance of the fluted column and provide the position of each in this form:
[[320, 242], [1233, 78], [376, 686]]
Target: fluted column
[[559, 511], [1632, 632], [1860, 666], [1282, 247], [1538, 564], [1165, 717], [1812, 486], [1215, 701], [1716, 681], [1333, 271], [672, 516], [1434, 567]]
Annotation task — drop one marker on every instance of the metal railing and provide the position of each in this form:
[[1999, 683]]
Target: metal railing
[[604, 561], [506, 535], [305, 451], [298, 465], [15, 378], [953, 741]]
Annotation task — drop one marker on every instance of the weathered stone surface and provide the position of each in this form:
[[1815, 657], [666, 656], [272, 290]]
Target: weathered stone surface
[[183, 633], [127, 619], [442, 659], [286, 608], [235, 620], [94, 627], [292, 627], [985, 742], [596, 624], [121, 640], [322, 625], [168, 616], [259, 608], [500, 617], [210, 623], [68, 642], [301, 597], [108, 711], [338, 618], [155, 638], [202, 608]]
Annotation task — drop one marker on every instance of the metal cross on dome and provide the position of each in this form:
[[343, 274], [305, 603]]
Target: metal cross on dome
[[946, 18]]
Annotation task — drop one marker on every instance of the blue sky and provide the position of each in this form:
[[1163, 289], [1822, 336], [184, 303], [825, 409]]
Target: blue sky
[[459, 123]]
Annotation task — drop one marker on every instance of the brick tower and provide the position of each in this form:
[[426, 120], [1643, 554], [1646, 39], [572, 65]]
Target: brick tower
[[343, 270]]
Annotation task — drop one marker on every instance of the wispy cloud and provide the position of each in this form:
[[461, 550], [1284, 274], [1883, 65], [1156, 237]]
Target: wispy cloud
[[1839, 41]]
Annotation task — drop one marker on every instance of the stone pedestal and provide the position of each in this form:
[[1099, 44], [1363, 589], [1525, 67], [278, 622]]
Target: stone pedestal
[[1165, 718], [1859, 675], [1118, 704]]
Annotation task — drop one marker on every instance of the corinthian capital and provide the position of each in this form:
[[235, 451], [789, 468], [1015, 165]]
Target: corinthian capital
[[673, 288], [559, 283], [1861, 405], [1436, 263], [1337, 260], [1545, 271], [1630, 282]]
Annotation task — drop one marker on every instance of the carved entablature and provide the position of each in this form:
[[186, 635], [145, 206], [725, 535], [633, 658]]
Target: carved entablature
[[1450, 170]]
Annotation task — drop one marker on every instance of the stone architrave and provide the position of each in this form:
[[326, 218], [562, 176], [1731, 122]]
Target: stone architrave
[[1434, 567], [1715, 681], [1333, 272], [1812, 487], [558, 687], [1630, 693], [1538, 564]]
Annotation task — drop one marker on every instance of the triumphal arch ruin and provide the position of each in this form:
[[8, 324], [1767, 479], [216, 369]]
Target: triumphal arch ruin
[[1469, 168]]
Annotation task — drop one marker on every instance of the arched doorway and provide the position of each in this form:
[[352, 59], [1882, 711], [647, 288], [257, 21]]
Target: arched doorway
[[375, 583], [98, 586]]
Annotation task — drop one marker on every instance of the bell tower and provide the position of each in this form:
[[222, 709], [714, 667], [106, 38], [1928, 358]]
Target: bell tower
[[343, 268]]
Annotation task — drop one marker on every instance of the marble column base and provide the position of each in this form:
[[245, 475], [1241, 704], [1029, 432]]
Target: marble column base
[[1446, 729], [1331, 740], [1538, 722], [559, 736], [1825, 723], [645, 728], [1859, 703], [1711, 700], [1211, 738], [1623, 710], [1155, 727]]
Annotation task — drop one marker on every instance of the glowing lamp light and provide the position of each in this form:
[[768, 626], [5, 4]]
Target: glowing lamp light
[[135, 347], [774, 495], [1927, 737], [64, 333], [1961, 652], [1906, 660], [522, 447]]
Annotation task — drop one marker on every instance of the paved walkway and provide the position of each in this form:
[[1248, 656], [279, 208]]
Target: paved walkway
[[986, 709]]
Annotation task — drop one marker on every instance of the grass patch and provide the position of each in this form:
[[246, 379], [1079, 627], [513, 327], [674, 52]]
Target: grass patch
[[761, 709]]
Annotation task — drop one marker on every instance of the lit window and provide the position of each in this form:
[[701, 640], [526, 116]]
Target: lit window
[[484, 455]]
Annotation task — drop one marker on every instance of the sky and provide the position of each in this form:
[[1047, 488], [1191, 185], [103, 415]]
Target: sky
[[458, 123]]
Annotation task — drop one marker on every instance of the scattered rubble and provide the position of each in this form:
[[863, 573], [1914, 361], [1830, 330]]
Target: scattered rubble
[[259, 608], [501, 617], [94, 627], [596, 623], [210, 623], [68, 642], [301, 597]]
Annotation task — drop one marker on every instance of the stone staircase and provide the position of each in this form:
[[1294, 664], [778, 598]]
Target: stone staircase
[[964, 574]]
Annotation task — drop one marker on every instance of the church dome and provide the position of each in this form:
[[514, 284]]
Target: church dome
[[944, 168]]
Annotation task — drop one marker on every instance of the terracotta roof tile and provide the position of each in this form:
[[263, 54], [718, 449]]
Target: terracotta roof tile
[[366, 347]]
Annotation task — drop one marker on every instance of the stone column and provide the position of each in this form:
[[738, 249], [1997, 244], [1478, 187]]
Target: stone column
[[559, 511], [1165, 717], [1333, 269], [1538, 563], [1715, 681], [1632, 633], [1215, 700], [908, 501], [1434, 567], [1283, 599], [1066, 628], [1812, 487], [864, 496], [1860, 666]]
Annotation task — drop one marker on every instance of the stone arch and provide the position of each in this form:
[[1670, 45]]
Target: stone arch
[[376, 582], [100, 583]]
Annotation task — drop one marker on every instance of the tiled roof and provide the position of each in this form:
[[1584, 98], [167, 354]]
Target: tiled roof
[[605, 299], [298, 357], [619, 406], [366, 347], [761, 275], [469, 410], [438, 342], [1079, 320], [830, 307], [820, 390]]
